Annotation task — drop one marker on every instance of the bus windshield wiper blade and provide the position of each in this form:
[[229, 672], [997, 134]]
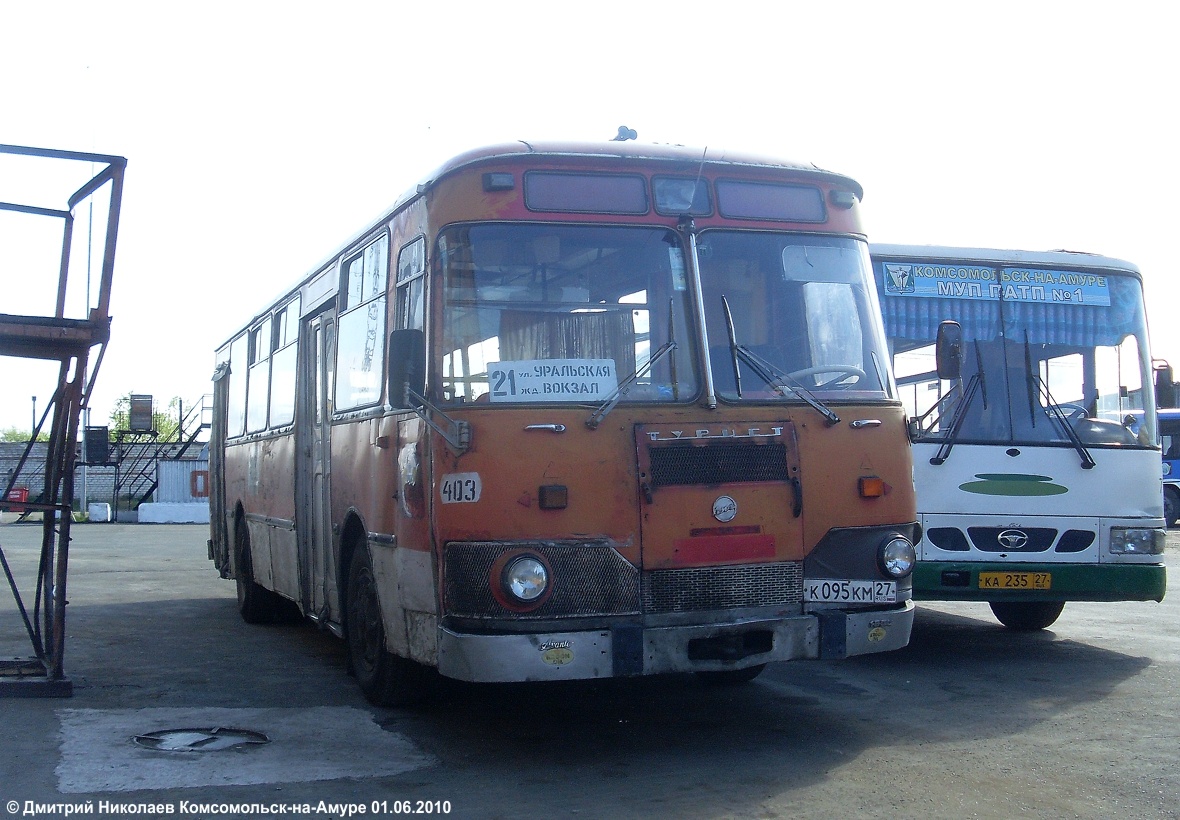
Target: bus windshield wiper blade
[[781, 382], [1058, 415], [610, 401], [733, 346], [1052, 408], [977, 383], [1030, 382], [766, 371], [974, 385]]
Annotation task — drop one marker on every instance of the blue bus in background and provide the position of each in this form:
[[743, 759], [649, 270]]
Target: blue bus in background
[[1169, 422]]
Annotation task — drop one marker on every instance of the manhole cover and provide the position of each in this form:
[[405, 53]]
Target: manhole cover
[[200, 740]]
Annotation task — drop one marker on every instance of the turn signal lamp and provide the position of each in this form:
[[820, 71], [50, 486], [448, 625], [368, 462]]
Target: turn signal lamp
[[870, 486], [553, 497]]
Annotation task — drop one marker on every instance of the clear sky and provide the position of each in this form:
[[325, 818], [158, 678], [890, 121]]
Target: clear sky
[[259, 136]]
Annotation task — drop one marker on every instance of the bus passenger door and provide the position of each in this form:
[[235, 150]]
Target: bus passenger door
[[313, 517], [219, 534]]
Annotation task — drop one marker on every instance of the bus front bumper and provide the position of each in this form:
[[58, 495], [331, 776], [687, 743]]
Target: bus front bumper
[[632, 649], [960, 581]]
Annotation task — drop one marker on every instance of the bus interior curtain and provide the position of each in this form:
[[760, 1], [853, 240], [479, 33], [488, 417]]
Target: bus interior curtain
[[528, 335], [917, 317]]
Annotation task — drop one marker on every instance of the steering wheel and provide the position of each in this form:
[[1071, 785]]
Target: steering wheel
[[845, 370], [1073, 412]]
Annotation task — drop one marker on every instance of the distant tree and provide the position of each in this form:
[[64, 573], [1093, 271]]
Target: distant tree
[[17, 434], [166, 423]]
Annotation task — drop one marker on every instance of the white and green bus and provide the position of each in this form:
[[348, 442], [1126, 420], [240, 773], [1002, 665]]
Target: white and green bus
[[1028, 380]]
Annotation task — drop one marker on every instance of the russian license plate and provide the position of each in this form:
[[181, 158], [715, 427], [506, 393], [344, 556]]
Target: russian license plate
[[1015, 580], [850, 591]]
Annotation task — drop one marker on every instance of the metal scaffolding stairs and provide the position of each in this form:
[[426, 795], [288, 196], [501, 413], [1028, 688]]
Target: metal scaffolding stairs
[[69, 341]]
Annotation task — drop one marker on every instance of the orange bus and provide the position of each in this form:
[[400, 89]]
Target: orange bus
[[575, 411]]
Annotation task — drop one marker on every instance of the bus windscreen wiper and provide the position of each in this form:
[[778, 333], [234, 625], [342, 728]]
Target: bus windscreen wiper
[[733, 346], [976, 384], [1053, 409], [610, 401], [1030, 382], [770, 374]]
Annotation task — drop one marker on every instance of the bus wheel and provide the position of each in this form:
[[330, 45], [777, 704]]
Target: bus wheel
[[385, 678], [1027, 616], [257, 604], [251, 597], [1171, 506], [732, 677]]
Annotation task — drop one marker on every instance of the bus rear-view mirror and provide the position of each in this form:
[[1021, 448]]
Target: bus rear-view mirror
[[407, 367], [948, 350]]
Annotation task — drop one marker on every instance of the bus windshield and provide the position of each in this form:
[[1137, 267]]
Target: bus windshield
[[564, 313], [1039, 366], [802, 311]]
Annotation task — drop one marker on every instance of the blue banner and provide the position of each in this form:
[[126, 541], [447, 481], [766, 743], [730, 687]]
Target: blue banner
[[978, 282]]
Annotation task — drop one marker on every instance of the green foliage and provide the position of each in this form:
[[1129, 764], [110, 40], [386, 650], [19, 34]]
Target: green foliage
[[17, 434]]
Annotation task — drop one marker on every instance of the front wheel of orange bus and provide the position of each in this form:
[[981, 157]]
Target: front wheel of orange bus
[[385, 678]]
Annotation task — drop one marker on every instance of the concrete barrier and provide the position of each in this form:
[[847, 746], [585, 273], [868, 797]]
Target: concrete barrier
[[99, 512], [153, 513]]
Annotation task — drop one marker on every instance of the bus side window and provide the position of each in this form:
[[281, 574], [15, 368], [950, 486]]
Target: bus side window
[[411, 290], [258, 391], [236, 422], [360, 336], [1171, 448], [283, 363], [1169, 436]]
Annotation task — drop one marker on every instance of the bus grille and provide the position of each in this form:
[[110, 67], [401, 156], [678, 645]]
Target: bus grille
[[1032, 539], [684, 464], [589, 579], [705, 588]]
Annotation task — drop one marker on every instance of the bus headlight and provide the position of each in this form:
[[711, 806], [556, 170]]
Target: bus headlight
[[525, 579], [1137, 541], [897, 557]]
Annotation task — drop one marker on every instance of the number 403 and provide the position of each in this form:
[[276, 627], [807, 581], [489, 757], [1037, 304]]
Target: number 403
[[460, 488]]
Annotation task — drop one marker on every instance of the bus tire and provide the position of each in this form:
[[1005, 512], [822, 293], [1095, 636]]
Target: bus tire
[[257, 604], [1171, 506], [1027, 616], [385, 679], [731, 677]]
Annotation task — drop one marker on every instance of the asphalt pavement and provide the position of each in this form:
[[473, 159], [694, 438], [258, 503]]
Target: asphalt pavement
[[179, 707]]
